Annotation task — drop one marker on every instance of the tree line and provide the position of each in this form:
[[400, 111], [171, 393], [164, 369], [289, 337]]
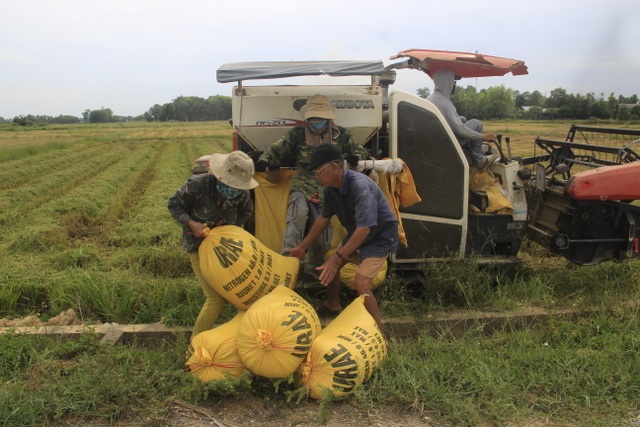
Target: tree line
[[494, 103], [499, 102], [181, 109], [191, 109]]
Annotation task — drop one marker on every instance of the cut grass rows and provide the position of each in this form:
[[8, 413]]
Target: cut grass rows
[[38, 165], [149, 234], [201, 147], [86, 207], [148, 239], [21, 142], [147, 224], [134, 191], [17, 205], [18, 142], [44, 169], [41, 166], [39, 188], [190, 133], [67, 236]]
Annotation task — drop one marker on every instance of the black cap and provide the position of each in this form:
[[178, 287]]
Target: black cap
[[324, 153]]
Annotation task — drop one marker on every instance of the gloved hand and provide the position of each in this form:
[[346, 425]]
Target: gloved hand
[[352, 160], [261, 165]]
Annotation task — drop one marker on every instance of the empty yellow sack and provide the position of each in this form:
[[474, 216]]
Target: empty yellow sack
[[240, 268], [276, 333], [344, 355], [215, 352], [498, 199]]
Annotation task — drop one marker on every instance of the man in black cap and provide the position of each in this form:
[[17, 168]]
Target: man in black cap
[[305, 199], [372, 228]]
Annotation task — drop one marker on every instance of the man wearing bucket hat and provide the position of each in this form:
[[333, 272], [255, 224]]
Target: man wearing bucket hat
[[209, 200], [305, 199], [372, 228]]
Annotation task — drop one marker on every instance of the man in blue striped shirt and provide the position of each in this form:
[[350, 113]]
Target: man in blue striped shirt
[[372, 228]]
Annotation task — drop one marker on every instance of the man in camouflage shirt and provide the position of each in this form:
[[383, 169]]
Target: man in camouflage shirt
[[305, 199], [220, 197]]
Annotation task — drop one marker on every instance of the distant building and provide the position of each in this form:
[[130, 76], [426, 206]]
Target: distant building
[[535, 112]]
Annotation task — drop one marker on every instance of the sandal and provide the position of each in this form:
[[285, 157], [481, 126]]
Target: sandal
[[324, 311]]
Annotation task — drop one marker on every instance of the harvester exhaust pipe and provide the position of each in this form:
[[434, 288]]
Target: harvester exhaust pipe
[[387, 78]]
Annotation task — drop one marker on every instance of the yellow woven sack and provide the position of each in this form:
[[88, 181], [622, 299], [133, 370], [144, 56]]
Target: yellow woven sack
[[240, 268], [349, 270], [344, 355], [485, 181], [215, 352], [276, 333], [271, 200]]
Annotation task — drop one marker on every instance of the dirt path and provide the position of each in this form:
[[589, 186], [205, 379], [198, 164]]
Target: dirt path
[[266, 412], [269, 413]]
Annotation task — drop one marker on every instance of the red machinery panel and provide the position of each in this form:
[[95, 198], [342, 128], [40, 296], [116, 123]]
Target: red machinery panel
[[619, 182]]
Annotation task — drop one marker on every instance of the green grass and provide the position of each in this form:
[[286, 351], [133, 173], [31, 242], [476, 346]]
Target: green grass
[[583, 372], [91, 218], [46, 380], [560, 373], [84, 225]]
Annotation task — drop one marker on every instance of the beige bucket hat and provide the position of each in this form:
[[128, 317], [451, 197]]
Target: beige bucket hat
[[234, 169], [318, 106]]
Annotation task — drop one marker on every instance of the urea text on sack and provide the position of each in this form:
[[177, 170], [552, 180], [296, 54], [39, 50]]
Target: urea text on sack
[[345, 377], [228, 251], [299, 321]]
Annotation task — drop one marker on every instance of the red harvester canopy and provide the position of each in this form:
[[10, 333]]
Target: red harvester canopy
[[463, 64]]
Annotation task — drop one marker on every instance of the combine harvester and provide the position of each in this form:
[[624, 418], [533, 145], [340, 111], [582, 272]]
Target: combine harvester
[[575, 198]]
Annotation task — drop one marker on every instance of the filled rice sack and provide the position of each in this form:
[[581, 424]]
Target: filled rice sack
[[276, 333], [344, 355], [240, 268], [215, 352]]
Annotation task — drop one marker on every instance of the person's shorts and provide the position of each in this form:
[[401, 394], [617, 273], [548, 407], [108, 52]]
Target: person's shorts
[[368, 268], [371, 266], [349, 270]]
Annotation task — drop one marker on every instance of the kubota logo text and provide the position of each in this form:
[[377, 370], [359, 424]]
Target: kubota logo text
[[350, 104]]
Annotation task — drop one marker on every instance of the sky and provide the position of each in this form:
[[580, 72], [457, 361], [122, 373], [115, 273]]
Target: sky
[[62, 57]]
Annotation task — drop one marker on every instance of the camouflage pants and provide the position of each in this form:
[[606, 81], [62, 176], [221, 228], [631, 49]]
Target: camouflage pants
[[301, 215]]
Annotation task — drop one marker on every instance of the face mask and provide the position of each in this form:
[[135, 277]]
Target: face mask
[[228, 192], [318, 125]]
